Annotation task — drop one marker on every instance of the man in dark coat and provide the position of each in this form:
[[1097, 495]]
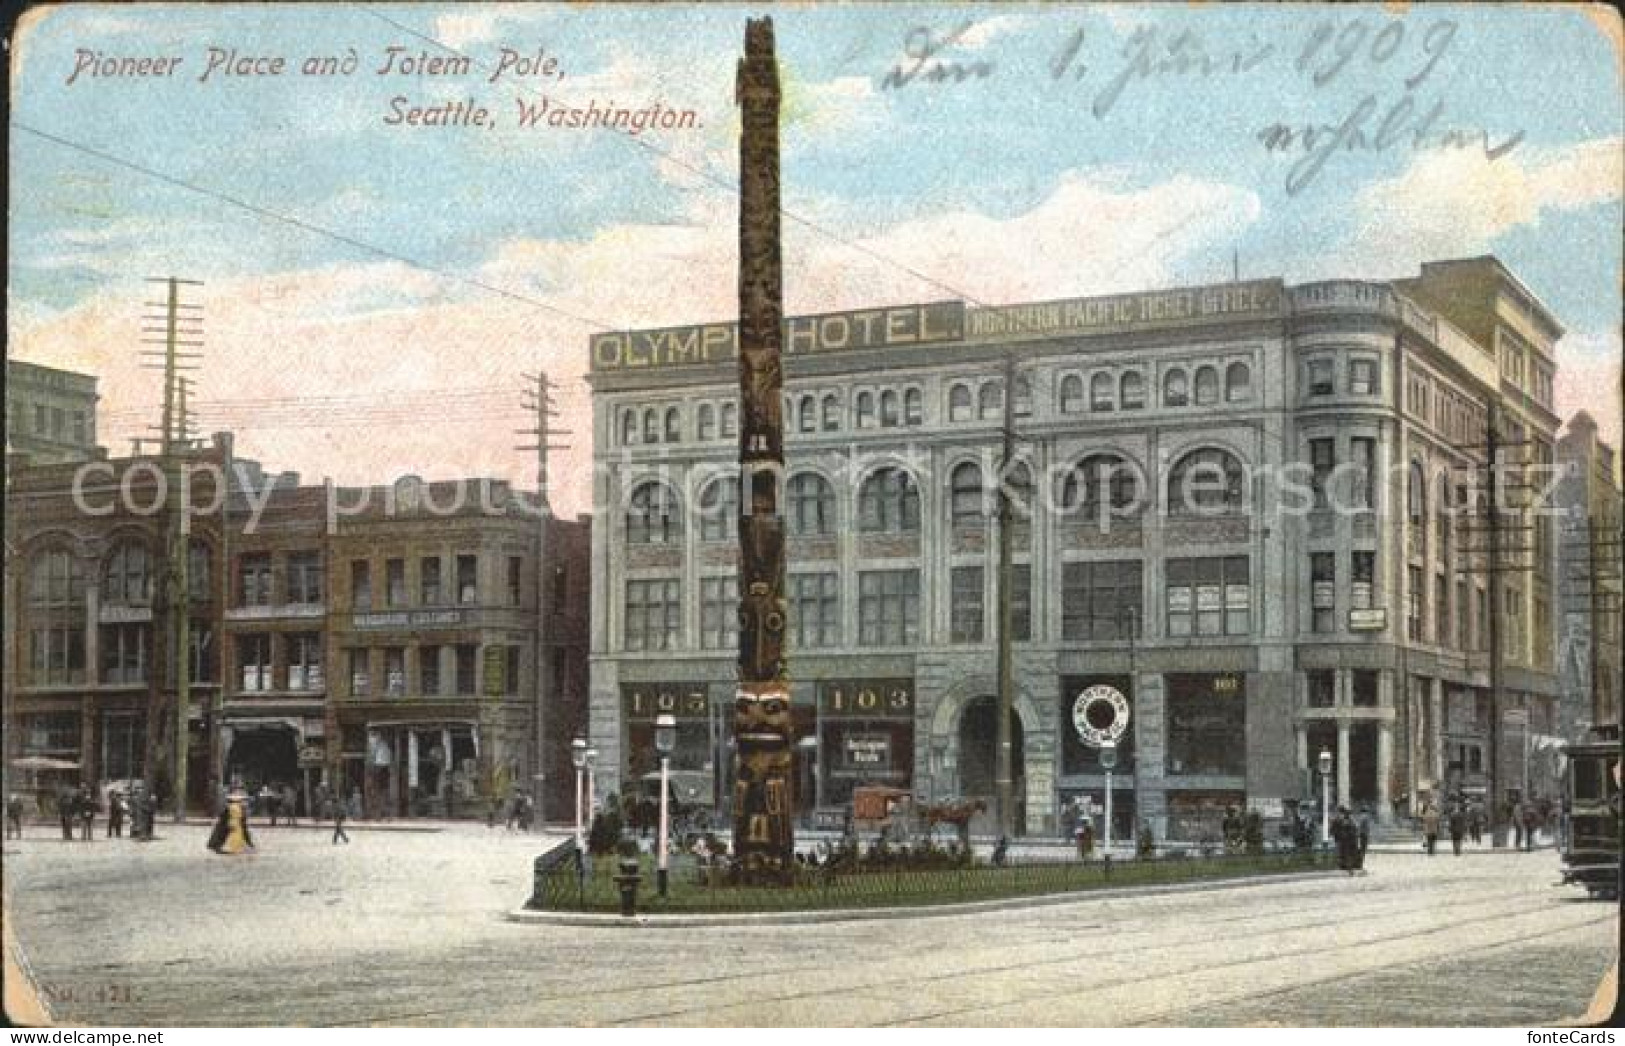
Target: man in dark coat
[[1364, 826], [1458, 827], [1347, 838], [115, 814], [67, 806]]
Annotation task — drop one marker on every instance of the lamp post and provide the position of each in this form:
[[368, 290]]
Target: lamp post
[[1108, 762], [578, 756], [1325, 795], [592, 798], [665, 741]]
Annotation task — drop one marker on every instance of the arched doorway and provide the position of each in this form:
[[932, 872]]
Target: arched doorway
[[263, 755], [978, 761]]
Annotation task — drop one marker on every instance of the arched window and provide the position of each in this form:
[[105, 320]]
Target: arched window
[[653, 516], [1206, 482], [1416, 496], [913, 407], [1024, 396], [128, 579], [1175, 391], [730, 420], [866, 409], [959, 404], [832, 413], [1443, 514], [990, 400], [1072, 394], [1207, 386], [1238, 383], [1131, 393], [812, 505], [1100, 391], [807, 414], [966, 502], [719, 510], [629, 427], [674, 425], [890, 416], [56, 580], [706, 423], [651, 426], [1101, 474], [889, 502]]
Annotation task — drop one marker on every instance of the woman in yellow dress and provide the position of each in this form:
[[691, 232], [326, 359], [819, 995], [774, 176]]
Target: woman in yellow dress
[[231, 835]]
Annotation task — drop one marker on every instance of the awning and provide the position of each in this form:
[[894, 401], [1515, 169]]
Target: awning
[[43, 762]]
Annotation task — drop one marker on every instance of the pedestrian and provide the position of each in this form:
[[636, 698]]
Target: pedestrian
[[1347, 838], [1475, 824], [1530, 822], [67, 805], [115, 814], [1365, 835], [1517, 825], [14, 816], [513, 810], [290, 804], [231, 835], [1000, 848], [270, 801], [527, 811], [1430, 826], [85, 808], [338, 813], [1458, 827]]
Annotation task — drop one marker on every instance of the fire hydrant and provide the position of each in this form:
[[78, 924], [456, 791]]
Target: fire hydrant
[[627, 882]]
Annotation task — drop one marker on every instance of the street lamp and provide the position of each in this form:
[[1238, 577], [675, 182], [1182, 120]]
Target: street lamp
[[1325, 795], [578, 756], [665, 742], [592, 797], [1108, 762]]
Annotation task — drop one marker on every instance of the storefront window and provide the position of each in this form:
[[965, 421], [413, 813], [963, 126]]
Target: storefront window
[[1207, 725], [867, 729]]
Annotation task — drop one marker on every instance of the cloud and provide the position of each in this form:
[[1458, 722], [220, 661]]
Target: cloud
[[980, 34], [382, 333], [1456, 202]]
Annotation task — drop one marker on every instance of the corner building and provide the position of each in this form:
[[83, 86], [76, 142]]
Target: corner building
[[1228, 508]]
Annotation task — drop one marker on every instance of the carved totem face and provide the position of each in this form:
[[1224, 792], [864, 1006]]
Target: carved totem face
[[762, 719]]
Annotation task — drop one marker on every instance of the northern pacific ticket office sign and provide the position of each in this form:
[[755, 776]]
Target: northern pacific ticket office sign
[[1247, 300], [897, 326]]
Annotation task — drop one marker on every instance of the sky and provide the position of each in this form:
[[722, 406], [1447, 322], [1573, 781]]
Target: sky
[[372, 291]]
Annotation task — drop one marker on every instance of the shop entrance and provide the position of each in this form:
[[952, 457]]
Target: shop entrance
[[978, 760], [263, 755]]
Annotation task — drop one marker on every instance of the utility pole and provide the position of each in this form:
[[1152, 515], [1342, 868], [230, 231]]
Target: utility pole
[[538, 397], [1004, 754], [1497, 600], [175, 326], [764, 731]]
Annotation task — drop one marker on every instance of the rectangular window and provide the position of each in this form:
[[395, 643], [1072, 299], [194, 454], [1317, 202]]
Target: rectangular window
[[41, 423], [395, 582], [59, 423], [1364, 685], [305, 577], [1323, 591], [1209, 597], [429, 671], [888, 607], [254, 579], [1362, 581], [124, 653], [305, 662], [360, 585], [1414, 598], [56, 655], [1483, 617], [1364, 452], [561, 588], [360, 673], [653, 615], [965, 610], [1021, 603], [467, 584], [1363, 377], [203, 656], [1322, 461], [79, 434], [1322, 689], [394, 671], [467, 657], [516, 574], [1441, 609], [510, 675], [1320, 378], [1100, 600], [1464, 617], [429, 594], [1206, 719], [254, 662], [814, 606], [719, 612]]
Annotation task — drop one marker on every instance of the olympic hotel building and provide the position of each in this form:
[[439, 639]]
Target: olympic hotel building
[[1247, 639]]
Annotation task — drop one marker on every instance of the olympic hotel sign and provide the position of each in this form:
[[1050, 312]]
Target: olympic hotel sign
[[944, 322]]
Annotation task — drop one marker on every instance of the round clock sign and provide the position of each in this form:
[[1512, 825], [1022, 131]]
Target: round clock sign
[[1100, 714]]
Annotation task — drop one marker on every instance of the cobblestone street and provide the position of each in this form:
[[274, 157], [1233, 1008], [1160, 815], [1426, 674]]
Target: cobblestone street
[[409, 928]]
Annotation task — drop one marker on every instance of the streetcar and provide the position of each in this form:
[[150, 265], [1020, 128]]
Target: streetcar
[[1591, 805]]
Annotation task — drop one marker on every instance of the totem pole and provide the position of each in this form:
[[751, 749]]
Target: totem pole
[[764, 838]]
